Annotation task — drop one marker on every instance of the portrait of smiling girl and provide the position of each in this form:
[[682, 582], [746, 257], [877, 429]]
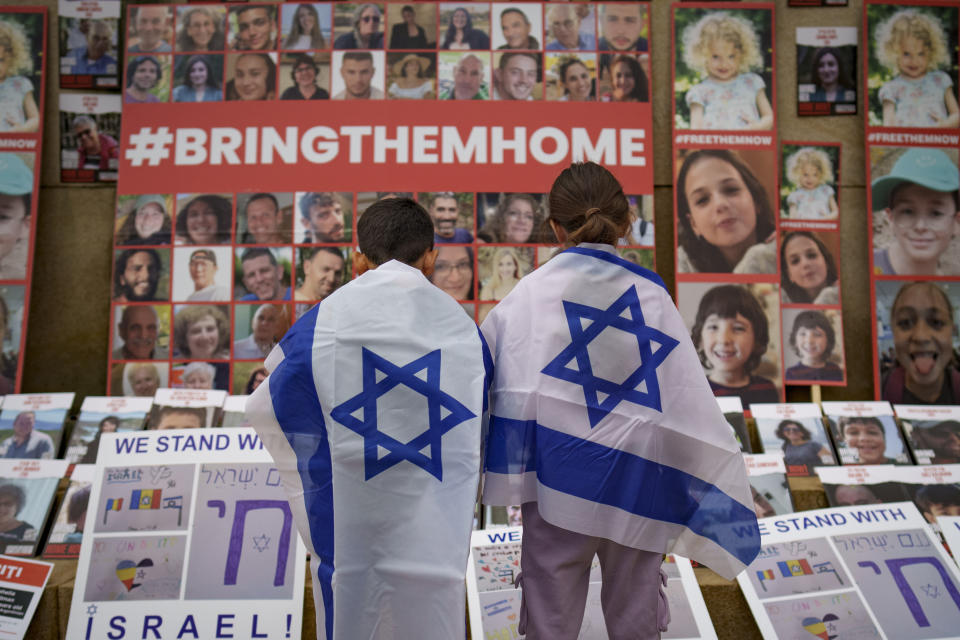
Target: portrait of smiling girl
[[725, 223], [808, 271]]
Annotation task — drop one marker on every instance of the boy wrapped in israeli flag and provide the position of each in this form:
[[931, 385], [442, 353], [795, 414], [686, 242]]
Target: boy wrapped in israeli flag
[[372, 412], [604, 429]]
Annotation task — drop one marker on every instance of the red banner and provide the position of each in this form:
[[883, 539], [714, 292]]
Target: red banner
[[480, 146]]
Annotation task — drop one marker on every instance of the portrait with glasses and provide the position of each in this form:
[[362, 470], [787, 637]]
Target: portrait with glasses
[[305, 76], [916, 210], [803, 442], [358, 26], [453, 271], [89, 134], [512, 218]]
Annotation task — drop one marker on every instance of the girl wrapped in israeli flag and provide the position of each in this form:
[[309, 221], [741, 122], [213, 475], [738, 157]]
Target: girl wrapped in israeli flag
[[604, 428]]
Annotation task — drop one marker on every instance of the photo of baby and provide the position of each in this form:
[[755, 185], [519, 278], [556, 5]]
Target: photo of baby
[[809, 178], [722, 75], [912, 72]]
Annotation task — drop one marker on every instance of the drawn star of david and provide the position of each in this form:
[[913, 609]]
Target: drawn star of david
[[366, 426], [91, 610], [624, 314], [261, 542]]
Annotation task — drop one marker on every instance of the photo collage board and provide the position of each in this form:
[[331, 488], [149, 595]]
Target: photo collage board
[[90, 36], [21, 137], [725, 159], [912, 147], [209, 277]]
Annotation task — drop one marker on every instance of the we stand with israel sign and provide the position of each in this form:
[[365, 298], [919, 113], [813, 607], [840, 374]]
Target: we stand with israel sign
[[188, 535]]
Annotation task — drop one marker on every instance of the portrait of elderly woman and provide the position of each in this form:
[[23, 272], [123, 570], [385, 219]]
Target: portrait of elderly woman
[[517, 219], [365, 32], [204, 219], [148, 223], [201, 332], [12, 500]]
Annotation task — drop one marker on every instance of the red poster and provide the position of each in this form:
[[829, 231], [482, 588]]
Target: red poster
[[254, 137], [21, 133]]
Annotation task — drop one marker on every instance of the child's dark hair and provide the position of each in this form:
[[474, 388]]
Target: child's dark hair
[[727, 301], [795, 292], [813, 320], [394, 229], [942, 494], [588, 202], [705, 257]]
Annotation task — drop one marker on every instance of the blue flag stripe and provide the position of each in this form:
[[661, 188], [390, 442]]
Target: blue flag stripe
[[643, 272], [620, 479], [298, 411]]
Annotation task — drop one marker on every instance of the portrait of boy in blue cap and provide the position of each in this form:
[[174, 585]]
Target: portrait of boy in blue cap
[[920, 203], [16, 189]]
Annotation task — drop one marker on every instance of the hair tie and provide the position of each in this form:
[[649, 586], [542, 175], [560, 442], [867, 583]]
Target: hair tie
[[590, 212]]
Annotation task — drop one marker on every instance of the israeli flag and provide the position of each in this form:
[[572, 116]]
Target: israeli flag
[[372, 412], [600, 413]]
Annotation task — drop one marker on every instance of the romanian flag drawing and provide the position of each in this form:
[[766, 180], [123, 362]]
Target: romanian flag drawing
[[793, 568], [113, 504], [145, 499]]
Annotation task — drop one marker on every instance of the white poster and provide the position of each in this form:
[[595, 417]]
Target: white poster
[[493, 602], [874, 571], [190, 535]]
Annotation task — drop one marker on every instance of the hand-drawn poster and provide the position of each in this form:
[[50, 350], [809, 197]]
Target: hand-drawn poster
[[493, 602], [65, 536], [31, 425], [724, 130], [248, 211], [89, 51], [932, 432], [89, 134], [197, 523], [21, 585], [103, 414], [186, 409], [874, 571], [912, 137], [826, 71], [866, 433], [27, 491], [768, 484], [22, 106], [797, 430]]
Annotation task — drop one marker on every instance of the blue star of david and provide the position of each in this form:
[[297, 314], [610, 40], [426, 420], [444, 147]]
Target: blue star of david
[[592, 385], [367, 426]]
